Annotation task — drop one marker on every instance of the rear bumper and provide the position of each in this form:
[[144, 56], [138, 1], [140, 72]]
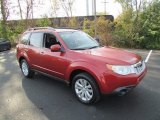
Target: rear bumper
[[112, 82]]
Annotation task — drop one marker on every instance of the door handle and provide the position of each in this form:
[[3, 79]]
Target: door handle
[[41, 52]]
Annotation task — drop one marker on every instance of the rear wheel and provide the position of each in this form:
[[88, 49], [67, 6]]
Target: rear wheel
[[85, 88], [9, 47], [25, 69]]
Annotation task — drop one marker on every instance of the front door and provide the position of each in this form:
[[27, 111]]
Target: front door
[[54, 63]]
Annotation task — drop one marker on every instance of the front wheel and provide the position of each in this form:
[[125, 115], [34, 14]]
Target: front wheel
[[25, 69], [85, 88]]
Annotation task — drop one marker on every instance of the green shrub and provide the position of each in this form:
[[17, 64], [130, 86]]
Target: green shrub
[[88, 27], [43, 22], [104, 29], [73, 23]]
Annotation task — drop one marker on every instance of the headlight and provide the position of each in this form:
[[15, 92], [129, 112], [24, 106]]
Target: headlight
[[122, 70]]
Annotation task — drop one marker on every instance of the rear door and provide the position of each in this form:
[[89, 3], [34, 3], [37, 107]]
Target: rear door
[[34, 49]]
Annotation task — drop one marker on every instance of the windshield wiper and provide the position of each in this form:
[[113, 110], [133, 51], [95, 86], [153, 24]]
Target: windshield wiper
[[78, 49], [93, 47], [85, 48]]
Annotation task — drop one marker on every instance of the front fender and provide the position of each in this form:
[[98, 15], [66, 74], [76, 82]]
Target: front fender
[[94, 71]]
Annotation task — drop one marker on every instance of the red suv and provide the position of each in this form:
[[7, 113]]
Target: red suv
[[79, 60]]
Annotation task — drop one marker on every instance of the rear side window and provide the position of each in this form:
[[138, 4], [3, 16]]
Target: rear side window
[[25, 38], [36, 39]]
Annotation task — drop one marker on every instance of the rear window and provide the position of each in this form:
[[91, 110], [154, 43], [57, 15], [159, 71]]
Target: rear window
[[36, 39]]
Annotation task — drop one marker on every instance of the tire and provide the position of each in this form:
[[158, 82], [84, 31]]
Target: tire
[[27, 72], [85, 88], [9, 47]]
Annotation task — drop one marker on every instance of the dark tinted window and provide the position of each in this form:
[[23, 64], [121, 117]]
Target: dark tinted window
[[36, 39], [24, 39], [49, 40]]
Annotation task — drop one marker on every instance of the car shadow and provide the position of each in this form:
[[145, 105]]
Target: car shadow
[[56, 101]]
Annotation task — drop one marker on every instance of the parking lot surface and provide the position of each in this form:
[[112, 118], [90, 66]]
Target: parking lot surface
[[44, 98]]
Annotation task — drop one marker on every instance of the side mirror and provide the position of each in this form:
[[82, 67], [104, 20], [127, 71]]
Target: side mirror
[[97, 39], [55, 48]]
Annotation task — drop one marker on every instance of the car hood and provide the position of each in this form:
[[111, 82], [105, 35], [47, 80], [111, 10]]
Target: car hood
[[112, 55]]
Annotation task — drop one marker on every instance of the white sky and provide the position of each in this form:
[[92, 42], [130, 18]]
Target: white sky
[[112, 7], [79, 9]]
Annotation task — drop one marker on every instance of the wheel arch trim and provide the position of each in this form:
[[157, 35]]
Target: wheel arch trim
[[85, 67]]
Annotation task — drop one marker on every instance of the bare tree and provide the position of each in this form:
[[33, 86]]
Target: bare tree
[[135, 6], [5, 9], [20, 9], [55, 7], [5, 14], [138, 6], [29, 7], [66, 5], [28, 11]]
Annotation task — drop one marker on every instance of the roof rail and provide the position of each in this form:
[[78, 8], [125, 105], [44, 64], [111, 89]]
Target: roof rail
[[75, 28], [38, 28]]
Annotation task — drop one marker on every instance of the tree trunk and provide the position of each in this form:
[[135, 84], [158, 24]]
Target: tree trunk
[[20, 9], [3, 23]]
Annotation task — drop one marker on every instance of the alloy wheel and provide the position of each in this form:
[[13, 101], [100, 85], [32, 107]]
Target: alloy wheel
[[84, 90], [25, 68]]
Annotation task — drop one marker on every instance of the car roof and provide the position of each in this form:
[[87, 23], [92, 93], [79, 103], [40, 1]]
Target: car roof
[[65, 30]]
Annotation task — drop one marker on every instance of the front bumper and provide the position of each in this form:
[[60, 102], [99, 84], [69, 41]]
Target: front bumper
[[112, 82]]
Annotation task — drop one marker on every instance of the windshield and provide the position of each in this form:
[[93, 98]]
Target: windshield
[[78, 40]]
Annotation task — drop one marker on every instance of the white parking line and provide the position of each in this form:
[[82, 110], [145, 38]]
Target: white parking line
[[147, 58]]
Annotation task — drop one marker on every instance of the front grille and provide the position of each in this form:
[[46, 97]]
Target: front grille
[[139, 67]]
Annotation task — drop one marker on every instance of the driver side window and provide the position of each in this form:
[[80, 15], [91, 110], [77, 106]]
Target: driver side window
[[49, 40]]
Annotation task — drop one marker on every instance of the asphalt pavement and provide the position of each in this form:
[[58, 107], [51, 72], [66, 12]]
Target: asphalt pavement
[[44, 98]]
